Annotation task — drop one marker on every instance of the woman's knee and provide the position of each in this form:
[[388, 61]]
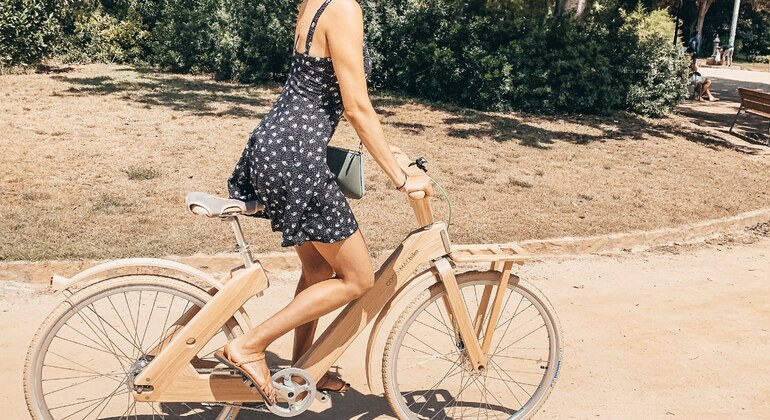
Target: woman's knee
[[357, 282]]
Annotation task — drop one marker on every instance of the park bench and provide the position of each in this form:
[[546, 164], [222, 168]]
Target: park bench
[[753, 102]]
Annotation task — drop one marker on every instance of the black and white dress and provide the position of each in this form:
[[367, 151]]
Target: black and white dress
[[284, 164]]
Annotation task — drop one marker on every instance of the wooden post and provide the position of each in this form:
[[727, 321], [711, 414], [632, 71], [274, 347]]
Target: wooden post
[[462, 318], [497, 306]]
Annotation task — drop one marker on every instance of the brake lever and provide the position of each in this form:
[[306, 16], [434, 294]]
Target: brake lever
[[420, 162]]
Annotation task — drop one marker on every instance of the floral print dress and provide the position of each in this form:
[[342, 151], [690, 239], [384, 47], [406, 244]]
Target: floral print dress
[[283, 165]]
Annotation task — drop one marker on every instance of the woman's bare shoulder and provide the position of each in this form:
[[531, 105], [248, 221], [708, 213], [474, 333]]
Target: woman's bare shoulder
[[344, 10]]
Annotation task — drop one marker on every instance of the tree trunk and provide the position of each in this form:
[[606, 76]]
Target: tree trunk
[[576, 7], [703, 7]]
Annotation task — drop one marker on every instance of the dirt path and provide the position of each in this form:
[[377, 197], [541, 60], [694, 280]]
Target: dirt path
[[648, 335]]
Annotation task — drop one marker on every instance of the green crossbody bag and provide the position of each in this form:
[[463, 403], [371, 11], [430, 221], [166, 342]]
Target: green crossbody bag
[[348, 168]]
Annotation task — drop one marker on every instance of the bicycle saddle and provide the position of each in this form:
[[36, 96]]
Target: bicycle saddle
[[213, 206]]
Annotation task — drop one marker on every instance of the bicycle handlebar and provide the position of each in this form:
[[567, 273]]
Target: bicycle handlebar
[[417, 199]]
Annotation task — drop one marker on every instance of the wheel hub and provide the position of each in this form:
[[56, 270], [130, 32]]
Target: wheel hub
[[135, 369]]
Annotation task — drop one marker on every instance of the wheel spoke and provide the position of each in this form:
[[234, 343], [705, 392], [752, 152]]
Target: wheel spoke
[[149, 317], [74, 376], [91, 325], [512, 380], [90, 347], [522, 337], [497, 392], [78, 383]]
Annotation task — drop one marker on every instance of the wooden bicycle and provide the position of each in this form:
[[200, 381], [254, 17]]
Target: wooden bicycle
[[134, 338]]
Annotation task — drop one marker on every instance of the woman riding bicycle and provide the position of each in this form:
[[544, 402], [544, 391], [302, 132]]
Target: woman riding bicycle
[[284, 167]]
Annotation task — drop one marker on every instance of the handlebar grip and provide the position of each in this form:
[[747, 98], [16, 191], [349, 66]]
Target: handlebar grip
[[417, 199]]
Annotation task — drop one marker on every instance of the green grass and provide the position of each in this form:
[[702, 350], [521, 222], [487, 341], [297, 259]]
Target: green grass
[[141, 174]]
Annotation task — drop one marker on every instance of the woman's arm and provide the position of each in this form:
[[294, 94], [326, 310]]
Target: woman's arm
[[345, 38]]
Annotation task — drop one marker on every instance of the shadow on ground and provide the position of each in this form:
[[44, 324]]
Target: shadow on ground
[[211, 98], [529, 130], [542, 131], [197, 96]]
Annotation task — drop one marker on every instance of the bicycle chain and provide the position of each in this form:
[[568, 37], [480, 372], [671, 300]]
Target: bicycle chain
[[261, 409]]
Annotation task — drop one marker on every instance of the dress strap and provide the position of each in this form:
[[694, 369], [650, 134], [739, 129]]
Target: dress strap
[[313, 23]]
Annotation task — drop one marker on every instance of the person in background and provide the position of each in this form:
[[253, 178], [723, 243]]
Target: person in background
[[727, 55], [694, 44], [702, 85]]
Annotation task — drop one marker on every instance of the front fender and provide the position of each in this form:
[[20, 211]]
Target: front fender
[[421, 279]]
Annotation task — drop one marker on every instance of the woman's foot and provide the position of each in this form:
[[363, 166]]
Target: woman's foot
[[331, 383], [252, 366]]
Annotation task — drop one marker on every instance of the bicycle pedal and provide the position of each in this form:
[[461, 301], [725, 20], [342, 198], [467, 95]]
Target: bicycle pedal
[[323, 396]]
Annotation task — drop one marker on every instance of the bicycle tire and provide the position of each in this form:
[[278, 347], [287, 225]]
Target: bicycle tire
[[536, 307], [76, 304]]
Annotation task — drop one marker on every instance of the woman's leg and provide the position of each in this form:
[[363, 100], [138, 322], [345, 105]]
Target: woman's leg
[[350, 260], [706, 90], [315, 269]]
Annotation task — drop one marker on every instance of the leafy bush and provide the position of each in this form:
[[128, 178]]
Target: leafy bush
[[233, 39], [645, 24], [655, 71], [101, 37], [485, 54], [27, 30], [754, 34], [657, 77]]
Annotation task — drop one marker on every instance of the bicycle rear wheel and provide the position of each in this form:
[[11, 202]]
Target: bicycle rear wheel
[[425, 370], [82, 361]]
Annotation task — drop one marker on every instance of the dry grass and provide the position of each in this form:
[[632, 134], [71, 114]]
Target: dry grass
[[96, 163]]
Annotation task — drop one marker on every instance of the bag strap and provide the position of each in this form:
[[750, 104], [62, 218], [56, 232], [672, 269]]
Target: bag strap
[[313, 24]]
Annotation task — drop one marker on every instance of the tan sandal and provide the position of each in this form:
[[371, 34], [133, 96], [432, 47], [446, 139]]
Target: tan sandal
[[327, 378], [223, 357]]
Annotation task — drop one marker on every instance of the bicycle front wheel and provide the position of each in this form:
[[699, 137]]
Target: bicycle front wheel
[[426, 373], [83, 359]]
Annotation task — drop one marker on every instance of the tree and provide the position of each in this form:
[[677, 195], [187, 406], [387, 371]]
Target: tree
[[703, 7], [576, 7]]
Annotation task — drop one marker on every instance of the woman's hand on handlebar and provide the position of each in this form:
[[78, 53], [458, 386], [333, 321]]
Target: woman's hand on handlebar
[[418, 187]]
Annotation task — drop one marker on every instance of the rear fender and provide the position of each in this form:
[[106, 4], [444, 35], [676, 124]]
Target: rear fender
[[133, 266]]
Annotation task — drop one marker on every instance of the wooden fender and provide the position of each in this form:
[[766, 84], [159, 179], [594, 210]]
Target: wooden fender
[[373, 373], [126, 266]]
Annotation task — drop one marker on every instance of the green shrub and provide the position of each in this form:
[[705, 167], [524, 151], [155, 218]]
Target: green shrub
[[184, 38], [657, 77], [27, 31], [645, 24], [101, 37], [484, 54], [754, 34], [264, 32], [654, 71]]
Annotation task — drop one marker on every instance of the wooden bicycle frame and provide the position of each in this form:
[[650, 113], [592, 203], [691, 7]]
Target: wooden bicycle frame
[[170, 376]]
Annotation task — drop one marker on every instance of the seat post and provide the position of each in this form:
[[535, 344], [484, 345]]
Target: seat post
[[242, 247]]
